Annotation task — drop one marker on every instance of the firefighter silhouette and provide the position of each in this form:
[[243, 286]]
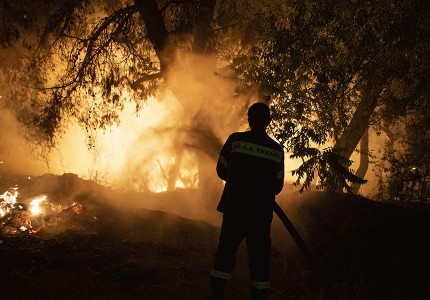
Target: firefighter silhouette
[[252, 165]]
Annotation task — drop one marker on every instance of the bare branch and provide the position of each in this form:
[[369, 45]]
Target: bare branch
[[103, 25]]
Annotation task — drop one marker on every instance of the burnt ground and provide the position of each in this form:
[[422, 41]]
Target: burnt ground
[[94, 248]]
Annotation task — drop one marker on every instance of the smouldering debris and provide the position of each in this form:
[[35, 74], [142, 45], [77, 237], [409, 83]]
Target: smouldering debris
[[34, 214]]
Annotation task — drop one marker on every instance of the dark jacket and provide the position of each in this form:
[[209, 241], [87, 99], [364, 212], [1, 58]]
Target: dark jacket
[[252, 164]]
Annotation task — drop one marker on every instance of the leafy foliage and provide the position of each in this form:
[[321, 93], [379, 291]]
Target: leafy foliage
[[94, 56], [410, 163], [328, 164], [330, 69]]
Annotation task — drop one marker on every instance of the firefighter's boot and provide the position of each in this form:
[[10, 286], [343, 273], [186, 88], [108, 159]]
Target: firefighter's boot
[[217, 288], [258, 294]]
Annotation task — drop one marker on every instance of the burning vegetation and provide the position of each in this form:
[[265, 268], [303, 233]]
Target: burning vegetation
[[73, 232], [26, 216], [137, 96], [50, 205], [21, 216], [120, 244], [29, 216], [30, 212]]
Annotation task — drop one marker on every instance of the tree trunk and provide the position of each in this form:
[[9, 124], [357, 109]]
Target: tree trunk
[[385, 165], [391, 138], [156, 31], [364, 160], [356, 128], [203, 45], [352, 134], [204, 30], [158, 35]]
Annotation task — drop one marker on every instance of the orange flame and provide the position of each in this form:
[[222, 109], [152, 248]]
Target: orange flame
[[35, 205], [9, 200]]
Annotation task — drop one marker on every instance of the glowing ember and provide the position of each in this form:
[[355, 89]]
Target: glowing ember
[[179, 184], [77, 208], [16, 217], [8, 201], [160, 189], [10, 196], [35, 205]]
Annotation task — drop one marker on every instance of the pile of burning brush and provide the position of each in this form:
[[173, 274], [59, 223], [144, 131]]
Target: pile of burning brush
[[43, 213]]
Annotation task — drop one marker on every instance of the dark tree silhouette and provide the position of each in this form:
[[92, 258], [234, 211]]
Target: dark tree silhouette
[[330, 70], [333, 69]]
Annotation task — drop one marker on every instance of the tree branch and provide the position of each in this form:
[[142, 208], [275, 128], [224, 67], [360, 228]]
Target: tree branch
[[135, 85]]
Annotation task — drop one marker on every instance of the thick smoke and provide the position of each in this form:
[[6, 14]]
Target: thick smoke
[[171, 144], [199, 111], [15, 153]]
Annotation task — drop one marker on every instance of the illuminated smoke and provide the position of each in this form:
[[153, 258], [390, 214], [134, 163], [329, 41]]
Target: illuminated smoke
[[169, 138]]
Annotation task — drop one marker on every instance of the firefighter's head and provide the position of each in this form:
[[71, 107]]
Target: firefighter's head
[[259, 116]]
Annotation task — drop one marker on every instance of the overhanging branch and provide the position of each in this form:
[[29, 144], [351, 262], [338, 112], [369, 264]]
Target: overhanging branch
[[135, 85]]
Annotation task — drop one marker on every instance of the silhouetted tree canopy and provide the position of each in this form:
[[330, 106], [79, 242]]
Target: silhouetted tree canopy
[[335, 68], [330, 69]]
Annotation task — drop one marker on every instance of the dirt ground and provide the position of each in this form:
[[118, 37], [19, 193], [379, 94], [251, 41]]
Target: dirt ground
[[367, 250], [145, 260]]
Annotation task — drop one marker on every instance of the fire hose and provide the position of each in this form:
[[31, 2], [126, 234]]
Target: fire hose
[[305, 250]]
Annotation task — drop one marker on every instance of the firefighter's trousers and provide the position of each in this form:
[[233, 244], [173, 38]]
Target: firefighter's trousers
[[255, 229]]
